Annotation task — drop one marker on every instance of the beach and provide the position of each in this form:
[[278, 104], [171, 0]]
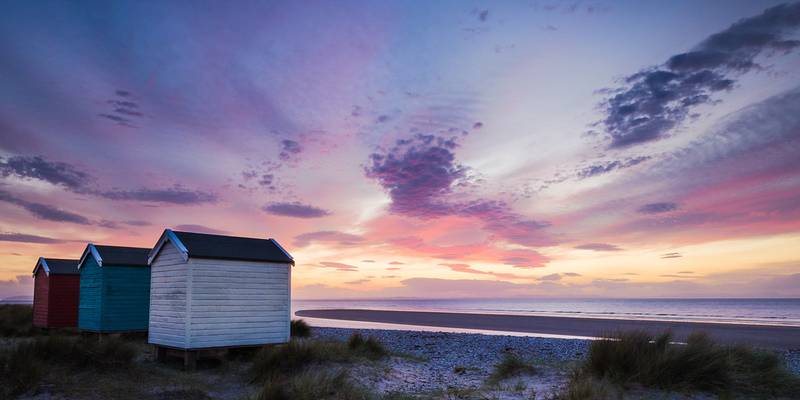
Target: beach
[[778, 337]]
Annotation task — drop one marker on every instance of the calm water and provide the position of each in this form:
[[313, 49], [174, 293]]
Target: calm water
[[749, 311]]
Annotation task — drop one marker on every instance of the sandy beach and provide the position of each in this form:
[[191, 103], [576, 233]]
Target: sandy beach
[[782, 337]]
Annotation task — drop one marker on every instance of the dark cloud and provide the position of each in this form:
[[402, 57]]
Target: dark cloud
[[24, 238], [333, 237], [56, 173], [658, 208], [368, 261], [483, 15], [671, 255], [608, 166], [571, 274], [137, 223], [200, 229], [358, 281], [290, 150], [598, 247], [123, 109], [338, 266], [420, 172], [173, 195], [44, 211], [417, 172], [653, 101], [397, 263], [685, 272], [295, 210], [551, 277]]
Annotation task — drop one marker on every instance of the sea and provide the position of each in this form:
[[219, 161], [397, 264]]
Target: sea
[[780, 312]]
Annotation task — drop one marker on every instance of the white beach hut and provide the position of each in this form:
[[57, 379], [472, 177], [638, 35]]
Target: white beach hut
[[213, 291]]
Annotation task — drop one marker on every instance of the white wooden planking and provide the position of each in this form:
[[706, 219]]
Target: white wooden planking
[[238, 303], [168, 292]]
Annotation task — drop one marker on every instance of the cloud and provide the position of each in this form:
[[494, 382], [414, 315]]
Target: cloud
[[358, 281], [598, 247], [55, 173], [137, 223], [290, 150], [200, 229], [393, 269], [608, 166], [174, 195], [571, 274], [417, 172], [671, 255], [466, 268], [653, 101], [657, 208], [396, 263], [368, 261], [338, 266], [123, 109], [43, 211], [421, 171], [332, 237], [25, 238], [295, 210], [551, 277]]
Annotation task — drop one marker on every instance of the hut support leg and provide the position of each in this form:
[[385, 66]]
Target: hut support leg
[[160, 353], [190, 360]]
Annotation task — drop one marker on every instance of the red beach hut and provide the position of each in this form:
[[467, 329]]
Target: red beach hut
[[55, 293]]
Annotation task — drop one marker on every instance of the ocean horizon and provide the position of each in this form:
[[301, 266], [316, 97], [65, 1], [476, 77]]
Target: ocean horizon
[[753, 311]]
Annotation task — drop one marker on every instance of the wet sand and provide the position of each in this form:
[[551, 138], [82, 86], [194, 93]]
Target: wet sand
[[756, 335]]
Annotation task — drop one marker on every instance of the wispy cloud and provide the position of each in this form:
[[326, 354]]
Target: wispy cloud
[[44, 211], [329, 237], [651, 102], [26, 238], [657, 208], [295, 210], [598, 247]]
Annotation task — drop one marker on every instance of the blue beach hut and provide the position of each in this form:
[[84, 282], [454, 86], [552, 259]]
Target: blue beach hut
[[114, 289]]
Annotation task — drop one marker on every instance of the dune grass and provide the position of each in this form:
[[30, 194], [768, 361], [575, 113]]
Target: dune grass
[[297, 355], [16, 320], [699, 365], [510, 366], [300, 329], [24, 364]]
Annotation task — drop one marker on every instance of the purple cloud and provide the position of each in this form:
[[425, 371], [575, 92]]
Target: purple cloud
[[173, 195], [44, 211], [598, 247], [608, 166], [295, 210], [25, 238], [671, 255], [658, 208], [56, 173], [420, 172], [334, 237], [653, 101], [338, 266], [290, 150]]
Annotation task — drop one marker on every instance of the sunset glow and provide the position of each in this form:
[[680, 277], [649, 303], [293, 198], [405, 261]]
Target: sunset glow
[[464, 149]]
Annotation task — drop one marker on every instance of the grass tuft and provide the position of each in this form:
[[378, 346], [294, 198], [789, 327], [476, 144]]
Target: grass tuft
[[370, 347], [300, 329], [509, 367], [700, 364], [16, 320], [314, 385]]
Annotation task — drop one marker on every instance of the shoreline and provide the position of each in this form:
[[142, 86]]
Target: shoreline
[[782, 337]]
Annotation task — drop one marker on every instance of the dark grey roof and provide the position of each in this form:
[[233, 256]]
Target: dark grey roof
[[60, 266], [203, 245], [126, 256]]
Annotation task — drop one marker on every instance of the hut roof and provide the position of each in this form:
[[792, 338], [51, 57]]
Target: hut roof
[[57, 266], [116, 255], [204, 245]]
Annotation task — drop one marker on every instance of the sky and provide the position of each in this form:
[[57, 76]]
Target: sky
[[414, 149]]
